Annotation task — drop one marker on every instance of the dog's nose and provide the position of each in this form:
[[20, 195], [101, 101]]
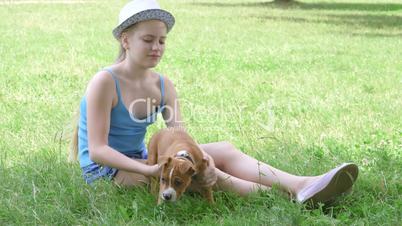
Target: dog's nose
[[167, 196]]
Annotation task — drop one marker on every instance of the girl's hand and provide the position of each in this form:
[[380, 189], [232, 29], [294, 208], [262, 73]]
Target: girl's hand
[[152, 171]]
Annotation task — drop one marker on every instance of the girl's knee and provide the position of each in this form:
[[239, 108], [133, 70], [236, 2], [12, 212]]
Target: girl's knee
[[226, 145], [128, 179], [221, 152], [228, 150], [223, 147]]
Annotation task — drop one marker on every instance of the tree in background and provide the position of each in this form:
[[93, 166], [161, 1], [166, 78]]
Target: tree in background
[[283, 1]]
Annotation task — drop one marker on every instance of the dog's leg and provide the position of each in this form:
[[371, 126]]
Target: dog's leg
[[159, 200], [208, 194], [153, 151], [152, 160], [153, 185]]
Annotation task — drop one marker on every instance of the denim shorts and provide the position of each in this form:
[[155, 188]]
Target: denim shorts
[[95, 171]]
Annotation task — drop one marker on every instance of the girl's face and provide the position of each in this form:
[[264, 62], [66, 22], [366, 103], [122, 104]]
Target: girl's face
[[145, 44]]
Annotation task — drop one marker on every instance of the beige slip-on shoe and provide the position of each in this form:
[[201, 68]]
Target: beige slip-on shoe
[[332, 184]]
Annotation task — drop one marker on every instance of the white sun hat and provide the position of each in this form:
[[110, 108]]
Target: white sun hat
[[140, 10]]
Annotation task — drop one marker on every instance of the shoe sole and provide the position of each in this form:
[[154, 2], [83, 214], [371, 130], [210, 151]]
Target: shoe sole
[[334, 183]]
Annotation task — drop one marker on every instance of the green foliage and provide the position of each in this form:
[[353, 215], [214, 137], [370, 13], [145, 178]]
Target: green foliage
[[302, 87]]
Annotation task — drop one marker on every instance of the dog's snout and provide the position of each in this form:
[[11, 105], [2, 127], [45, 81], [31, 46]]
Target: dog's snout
[[167, 196]]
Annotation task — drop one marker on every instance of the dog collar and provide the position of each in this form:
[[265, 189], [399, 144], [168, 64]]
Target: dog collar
[[183, 154]]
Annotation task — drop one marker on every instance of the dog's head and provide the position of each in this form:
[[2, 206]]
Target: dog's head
[[175, 178]]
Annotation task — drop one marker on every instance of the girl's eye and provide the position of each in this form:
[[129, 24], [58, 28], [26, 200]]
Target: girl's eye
[[147, 40], [162, 42]]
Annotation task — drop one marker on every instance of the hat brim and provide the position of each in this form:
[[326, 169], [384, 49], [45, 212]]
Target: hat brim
[[149, 14]]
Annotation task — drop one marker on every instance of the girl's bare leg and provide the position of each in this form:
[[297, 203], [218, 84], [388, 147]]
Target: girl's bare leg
[[242, 187], [235, 163], [128, 179]]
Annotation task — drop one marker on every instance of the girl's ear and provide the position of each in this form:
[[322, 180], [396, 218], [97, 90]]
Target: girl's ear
[[124, 40]]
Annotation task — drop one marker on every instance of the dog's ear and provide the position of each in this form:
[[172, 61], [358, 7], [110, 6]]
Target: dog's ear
[[190, 171], [165, 161], [187, 169]]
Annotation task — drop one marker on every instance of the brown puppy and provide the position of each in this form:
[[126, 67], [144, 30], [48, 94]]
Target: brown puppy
[[181, 160]]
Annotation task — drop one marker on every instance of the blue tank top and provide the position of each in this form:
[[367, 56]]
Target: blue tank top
[[126, 133]]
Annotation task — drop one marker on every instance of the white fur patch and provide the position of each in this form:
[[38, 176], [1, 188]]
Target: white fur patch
[[171, 176]]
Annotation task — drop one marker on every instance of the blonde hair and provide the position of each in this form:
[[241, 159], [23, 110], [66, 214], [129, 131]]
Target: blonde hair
[[73, 154], [122, 54], [122, 51], [73, 150]]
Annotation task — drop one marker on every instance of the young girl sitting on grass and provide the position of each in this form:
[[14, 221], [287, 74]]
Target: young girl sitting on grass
[[122, 100]]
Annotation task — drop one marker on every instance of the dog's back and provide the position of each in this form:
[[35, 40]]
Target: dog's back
[[168, 141]]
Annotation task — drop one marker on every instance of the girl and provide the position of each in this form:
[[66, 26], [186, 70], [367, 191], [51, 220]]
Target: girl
[[123, 99]]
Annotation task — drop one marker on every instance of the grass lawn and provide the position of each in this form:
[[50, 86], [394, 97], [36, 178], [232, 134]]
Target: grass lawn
[[303, 87]]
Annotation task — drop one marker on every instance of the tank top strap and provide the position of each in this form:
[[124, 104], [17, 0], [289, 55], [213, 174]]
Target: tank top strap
[[116, 81], [162, 82]]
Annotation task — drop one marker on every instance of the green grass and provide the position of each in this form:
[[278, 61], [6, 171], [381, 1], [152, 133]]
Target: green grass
[[324, 76]]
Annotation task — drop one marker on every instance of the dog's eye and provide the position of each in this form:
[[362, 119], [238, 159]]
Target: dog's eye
[[163, 180], [177, 183]]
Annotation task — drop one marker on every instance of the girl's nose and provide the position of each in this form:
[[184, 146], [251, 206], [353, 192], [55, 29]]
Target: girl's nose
[[156, 46]]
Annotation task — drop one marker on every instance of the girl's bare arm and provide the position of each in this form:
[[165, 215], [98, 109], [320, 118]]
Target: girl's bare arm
[[99, 97], [172, 114]]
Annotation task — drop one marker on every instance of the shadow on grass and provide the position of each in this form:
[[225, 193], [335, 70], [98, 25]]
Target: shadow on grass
[[356, 20], [374, 7], [377, 35], [375, 23]]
